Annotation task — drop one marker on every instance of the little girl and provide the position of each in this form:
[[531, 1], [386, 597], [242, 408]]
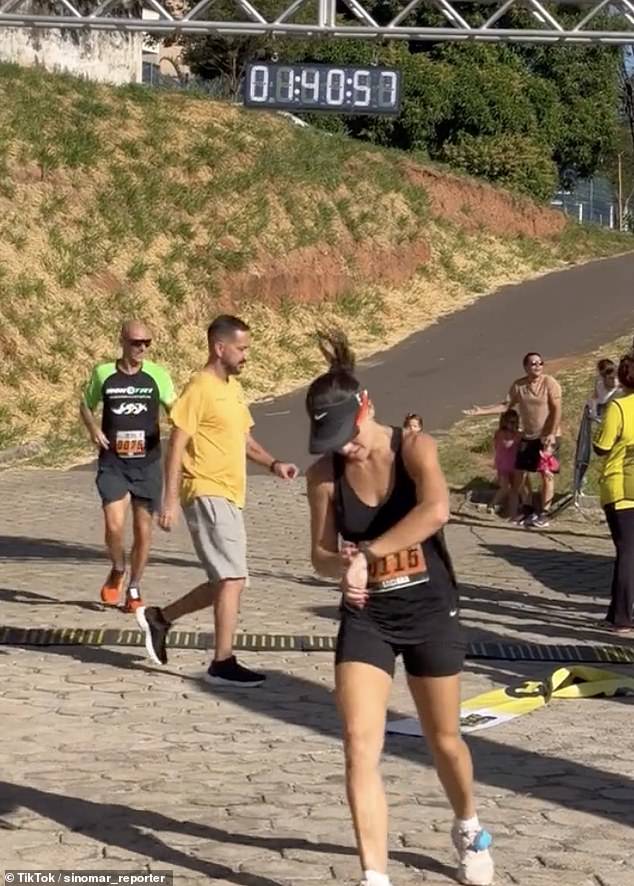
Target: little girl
[[413, 422], [505, 441], [606, 387]]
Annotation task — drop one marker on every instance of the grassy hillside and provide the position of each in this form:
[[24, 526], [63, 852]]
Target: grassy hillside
[[170, 207]]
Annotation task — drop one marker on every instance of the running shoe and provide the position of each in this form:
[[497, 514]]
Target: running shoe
[[132, 599], [475, 866], [112, 590], [540, 521], [620, 629], [229, 672], [151, 621]]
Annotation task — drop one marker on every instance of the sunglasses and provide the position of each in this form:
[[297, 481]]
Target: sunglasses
[[139, 342], [536, 363]]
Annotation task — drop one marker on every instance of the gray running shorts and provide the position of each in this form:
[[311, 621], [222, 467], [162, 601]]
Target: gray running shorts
[[144, 482], [219, 537]]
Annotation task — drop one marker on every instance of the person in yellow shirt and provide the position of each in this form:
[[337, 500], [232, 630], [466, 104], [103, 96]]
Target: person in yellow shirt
[[210, 442], [615, 442]]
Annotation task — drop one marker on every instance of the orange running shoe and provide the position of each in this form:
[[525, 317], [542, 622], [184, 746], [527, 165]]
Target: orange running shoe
[[132, 599], [113, 588]]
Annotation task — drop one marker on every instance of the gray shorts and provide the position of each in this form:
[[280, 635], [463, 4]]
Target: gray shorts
[[144, 482], [219, 537]]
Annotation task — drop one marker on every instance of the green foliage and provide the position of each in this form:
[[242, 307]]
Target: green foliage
[[586, 79], [513, 161], [473, 105]]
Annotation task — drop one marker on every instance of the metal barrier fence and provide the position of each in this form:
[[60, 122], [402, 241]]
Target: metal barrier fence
[[590, 202]]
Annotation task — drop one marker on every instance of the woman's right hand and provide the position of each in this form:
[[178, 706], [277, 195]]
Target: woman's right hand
[[474, 410], [354, 584]]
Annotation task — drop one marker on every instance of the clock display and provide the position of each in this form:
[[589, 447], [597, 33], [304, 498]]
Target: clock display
[[317, 87]]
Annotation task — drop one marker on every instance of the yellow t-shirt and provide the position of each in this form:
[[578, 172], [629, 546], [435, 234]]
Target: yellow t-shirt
[[214, 414], [617, 436]]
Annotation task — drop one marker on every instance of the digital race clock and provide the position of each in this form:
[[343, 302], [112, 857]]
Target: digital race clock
[[315, 87]]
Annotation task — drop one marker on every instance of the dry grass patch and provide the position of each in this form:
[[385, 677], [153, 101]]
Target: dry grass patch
[[132, 202]]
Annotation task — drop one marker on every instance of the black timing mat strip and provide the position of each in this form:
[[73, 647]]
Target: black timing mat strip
[[12, 636]]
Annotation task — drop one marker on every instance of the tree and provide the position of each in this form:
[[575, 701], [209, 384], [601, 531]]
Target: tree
[[626, 86], [478, 106], [514, 161], [215, 57]]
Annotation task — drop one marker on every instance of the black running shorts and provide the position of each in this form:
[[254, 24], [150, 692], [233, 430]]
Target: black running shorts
[[528, 454], [440, 655], [144, 482]]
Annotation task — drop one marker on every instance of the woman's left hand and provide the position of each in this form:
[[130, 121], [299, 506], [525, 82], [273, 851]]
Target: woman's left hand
[[348, 552]]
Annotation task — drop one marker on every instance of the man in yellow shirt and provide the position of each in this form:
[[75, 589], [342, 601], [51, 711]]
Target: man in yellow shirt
[[207, 455]]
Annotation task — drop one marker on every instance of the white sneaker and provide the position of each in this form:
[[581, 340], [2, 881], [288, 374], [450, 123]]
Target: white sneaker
[[475, 866]]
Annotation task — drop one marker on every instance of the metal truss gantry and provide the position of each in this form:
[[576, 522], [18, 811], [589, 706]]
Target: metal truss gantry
[[126, 15]]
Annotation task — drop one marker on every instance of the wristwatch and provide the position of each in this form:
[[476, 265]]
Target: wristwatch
[[364, 548]]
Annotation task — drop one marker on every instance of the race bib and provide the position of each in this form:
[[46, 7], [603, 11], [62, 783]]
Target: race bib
[[397, 570], [130, 444]]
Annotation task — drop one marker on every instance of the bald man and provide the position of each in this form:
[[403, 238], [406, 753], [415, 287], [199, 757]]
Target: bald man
[[131, 390]]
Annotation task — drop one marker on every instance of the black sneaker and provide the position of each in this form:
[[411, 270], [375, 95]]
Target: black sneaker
[[231, 673], [155, 628]]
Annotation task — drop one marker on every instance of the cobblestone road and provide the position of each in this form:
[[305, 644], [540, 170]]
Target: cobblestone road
[[111, 763]]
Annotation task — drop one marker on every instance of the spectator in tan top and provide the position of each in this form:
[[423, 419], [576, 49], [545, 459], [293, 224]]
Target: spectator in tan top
[[537, 398]]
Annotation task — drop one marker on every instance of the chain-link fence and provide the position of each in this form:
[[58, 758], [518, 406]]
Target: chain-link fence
[[591, 202]]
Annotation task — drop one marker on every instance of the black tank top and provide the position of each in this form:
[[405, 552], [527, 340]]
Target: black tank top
[[400, 614]]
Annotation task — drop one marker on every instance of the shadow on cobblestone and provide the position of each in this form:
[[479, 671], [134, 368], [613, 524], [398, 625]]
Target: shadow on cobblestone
[[536, 615], [328, 612], [566, 572], [311, 581], [126, 827], [21, 547], [502, 526], [29, 598], [491, 600], [12, 595], [497, 764], [99, 655], [294, 700]]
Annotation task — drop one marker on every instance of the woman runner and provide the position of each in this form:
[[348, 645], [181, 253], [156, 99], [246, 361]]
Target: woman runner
[[383, 494]]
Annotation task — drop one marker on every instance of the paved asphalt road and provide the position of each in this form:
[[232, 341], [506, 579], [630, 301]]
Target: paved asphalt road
[[472, 356]]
